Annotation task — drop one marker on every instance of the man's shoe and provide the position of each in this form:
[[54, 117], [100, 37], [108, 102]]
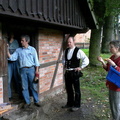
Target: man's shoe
[[37, 104], [10, 99], [75, 109], [66, 106], [26, 106]]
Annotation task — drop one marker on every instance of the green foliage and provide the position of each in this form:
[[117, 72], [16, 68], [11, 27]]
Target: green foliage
[[103, 8], [99, 9], [92, 3], [112, 7]]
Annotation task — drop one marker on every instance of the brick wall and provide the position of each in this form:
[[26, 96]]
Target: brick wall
[[49, 48], [83, 37]]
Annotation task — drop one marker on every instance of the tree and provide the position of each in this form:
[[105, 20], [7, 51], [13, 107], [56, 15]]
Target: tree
[[108, 33], [103, 10], [94, 49], [112, 10], [95, 39], [117, 27]]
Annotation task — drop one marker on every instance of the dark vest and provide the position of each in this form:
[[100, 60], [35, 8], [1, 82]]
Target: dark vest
[[74, 61]]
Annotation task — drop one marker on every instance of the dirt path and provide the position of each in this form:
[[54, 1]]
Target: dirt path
[[55, 112], [51, 110]]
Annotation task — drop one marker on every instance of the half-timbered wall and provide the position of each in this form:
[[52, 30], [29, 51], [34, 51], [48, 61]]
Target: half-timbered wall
[[50, 53]]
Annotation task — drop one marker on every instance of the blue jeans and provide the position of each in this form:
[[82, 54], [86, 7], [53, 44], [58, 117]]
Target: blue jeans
[[13, 72], [27, 77]]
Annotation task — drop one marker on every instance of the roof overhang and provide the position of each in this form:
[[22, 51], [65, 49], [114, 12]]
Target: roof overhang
[[89, 14]]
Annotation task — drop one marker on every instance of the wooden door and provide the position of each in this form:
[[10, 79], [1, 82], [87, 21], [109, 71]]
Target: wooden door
[[3, 65]]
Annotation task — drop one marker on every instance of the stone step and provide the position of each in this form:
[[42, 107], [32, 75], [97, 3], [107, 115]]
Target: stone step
[[32, 113]]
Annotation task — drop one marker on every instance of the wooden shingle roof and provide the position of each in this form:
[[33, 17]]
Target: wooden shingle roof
[[68, 15]]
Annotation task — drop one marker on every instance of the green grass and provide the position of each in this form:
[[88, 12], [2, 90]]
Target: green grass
[[105, 55], [86, 51], [94, 89]]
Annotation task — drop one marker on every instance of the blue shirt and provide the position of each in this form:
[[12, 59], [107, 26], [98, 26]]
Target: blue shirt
[[13, 46], [27, 56]]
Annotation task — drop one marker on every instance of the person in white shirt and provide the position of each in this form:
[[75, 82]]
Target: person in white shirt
[[74, 60]]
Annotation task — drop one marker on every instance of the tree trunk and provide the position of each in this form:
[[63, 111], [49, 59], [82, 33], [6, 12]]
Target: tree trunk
[[108, 33], [117, 29], [94, 50]]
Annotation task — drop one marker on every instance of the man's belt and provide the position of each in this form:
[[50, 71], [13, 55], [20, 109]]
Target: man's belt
[[70, 69], [28, 67]]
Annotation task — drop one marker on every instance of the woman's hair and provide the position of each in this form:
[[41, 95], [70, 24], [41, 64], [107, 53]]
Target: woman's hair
[[27, 38], [116, 43]]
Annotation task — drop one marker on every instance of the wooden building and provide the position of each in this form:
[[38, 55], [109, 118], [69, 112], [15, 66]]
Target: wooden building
[[47, 22]]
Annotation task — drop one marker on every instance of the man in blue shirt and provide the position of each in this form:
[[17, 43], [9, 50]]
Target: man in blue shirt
[[13, 68], [29, 67]]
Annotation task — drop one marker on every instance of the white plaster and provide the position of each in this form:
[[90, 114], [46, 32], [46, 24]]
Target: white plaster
[[1, 81]]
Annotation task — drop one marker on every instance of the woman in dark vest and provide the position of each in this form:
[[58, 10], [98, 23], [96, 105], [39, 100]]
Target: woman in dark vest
[[71, 61]]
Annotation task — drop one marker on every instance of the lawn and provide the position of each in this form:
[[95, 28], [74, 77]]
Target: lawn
[[94, 90]]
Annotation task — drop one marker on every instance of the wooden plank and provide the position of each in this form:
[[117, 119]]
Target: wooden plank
[[3, 56], [2, 113], [28, 7], [4, 106], [50, 10], [64, 11], [54, 10], [45, 9], [33, 8], [73, 13], [5, 88], [70, 12], [61, 11], [79, 14], [12, 5], [40, 9], [57, 11], [5, 4], [76, 16], [50, 63], [21, 6], [1, 2]]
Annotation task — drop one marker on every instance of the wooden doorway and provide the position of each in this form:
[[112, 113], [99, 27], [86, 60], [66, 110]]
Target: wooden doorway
[[18, 30]]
